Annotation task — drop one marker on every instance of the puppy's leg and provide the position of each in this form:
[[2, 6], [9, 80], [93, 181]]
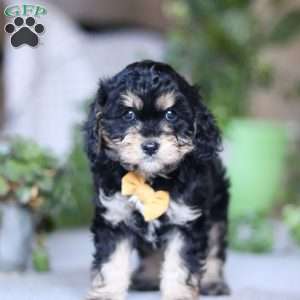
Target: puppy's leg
[[111, 269], [181, 268], [213, 282], [146, 277]]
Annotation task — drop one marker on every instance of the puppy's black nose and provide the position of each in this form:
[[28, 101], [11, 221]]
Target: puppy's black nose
[[150, 147]]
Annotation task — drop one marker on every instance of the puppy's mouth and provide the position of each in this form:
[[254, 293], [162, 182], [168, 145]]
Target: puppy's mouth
[[150, 165], [149, 158]]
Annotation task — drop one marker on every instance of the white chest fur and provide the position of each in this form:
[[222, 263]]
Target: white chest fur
[[120, 208], [179, 213]]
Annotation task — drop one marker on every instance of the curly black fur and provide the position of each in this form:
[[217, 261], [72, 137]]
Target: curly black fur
[[196, 180]]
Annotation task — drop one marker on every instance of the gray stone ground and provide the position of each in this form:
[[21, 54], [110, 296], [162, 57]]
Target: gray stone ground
[[251, 277]]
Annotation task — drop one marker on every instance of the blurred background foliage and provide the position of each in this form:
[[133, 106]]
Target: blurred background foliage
[[75, 187], [57, 192], [28, 174], [217, 44]]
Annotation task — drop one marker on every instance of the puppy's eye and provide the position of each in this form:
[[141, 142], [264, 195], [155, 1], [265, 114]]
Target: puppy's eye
[[129, 116], [171, 115]]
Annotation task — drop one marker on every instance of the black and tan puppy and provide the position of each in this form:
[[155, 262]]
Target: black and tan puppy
[[149, 120]]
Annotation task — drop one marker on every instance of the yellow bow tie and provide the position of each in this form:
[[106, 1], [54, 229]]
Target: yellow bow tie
[[154, 203]]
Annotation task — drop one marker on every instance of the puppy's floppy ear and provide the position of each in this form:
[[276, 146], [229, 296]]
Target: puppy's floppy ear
[[207, 134], [93, 125]]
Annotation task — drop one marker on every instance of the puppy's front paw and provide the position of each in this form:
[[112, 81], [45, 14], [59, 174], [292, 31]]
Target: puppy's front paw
[[181, 292], [92, 296], [183, 297], [101, 292], [102, 298], [215, 288]]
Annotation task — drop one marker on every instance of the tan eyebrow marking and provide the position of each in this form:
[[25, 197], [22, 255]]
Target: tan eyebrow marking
[[131, 100], [165, 101]]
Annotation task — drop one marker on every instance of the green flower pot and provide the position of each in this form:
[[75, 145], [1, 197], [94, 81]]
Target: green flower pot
[[256, 159]]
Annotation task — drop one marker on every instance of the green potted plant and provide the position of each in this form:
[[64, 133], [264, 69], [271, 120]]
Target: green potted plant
[[218, 45], [74, 187], [27, 177]]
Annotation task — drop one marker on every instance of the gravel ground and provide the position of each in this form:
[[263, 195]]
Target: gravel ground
[[251, 277]]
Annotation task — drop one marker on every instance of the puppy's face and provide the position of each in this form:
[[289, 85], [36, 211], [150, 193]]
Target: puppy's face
[[147, 118], [148, 132]]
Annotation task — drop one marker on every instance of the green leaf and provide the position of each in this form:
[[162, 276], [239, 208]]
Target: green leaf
[[26, 150], [24, 194], [4, 187], [238, 26], [45, 183], [40, 257], [40, 260], [13, 170], [287, 28]]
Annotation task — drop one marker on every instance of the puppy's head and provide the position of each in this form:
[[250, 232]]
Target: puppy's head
[[149, 118]]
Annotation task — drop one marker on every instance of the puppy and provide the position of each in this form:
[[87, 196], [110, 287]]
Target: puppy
[[149, 120]]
